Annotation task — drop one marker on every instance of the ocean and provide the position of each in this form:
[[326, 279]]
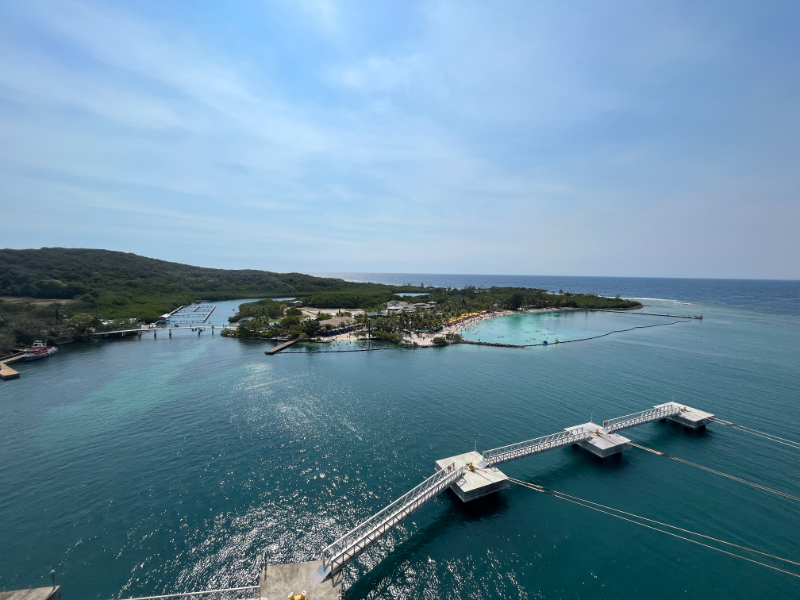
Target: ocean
[[144, 466]]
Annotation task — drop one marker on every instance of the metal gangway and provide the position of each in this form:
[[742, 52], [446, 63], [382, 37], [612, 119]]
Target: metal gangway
[[640, 418], [511, 452], [354, 542]]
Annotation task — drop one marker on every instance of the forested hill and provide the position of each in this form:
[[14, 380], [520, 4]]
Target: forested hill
[[72, 272]]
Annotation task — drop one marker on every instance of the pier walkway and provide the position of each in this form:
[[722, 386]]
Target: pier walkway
[[470, 475], [354, 542], [473, 475], [280, 347], [156, 330]]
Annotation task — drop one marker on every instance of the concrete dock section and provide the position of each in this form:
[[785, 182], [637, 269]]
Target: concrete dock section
[[7, 372], [600, 441], [51, 592], [280, 347], [298, 580], [692, 418], [476, 483]]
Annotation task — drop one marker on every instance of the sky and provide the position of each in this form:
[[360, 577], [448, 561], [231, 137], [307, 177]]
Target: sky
[[614, 138]]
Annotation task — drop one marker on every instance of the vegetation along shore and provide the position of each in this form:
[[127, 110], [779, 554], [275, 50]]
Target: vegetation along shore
[[67, 294]]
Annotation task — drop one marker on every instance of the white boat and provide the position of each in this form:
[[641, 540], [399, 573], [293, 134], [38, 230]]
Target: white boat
[[39, 350]]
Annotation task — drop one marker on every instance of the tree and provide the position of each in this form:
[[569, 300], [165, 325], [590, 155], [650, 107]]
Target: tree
[[55, 306]]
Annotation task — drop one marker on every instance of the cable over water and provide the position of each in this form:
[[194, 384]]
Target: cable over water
[[632, 518], [762, 434], [732, 477]]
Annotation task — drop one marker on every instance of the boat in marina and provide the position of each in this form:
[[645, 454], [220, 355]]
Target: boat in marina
[[39, 350]]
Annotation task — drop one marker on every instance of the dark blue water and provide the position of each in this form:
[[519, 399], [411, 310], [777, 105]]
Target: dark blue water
[[144, 466], [775, 296]]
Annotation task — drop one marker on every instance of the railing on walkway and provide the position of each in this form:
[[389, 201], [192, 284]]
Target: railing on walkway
[[645, 416], [354, 542], [534, 446], [238, 593]]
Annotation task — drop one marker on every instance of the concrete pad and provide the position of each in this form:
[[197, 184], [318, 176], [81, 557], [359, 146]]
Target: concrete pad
[[601, 443], [474, 484], [43, 593], [281, 580], [689, 417]]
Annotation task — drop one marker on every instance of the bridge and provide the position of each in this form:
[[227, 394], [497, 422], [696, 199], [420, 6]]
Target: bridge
[[155, 330], [473, 475]]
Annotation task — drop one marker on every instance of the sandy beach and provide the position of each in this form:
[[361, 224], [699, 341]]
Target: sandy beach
[[425, 340]]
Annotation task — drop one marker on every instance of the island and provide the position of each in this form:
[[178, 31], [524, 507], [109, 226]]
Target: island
[[62, 295]]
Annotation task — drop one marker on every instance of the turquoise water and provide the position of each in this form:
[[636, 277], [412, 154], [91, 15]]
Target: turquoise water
[[534, 328], [145, 466]]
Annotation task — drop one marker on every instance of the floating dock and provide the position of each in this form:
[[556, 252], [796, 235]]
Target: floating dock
[[280, 347], [476, 482]]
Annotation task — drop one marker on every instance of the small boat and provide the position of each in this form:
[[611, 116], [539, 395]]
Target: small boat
[[39, 350]]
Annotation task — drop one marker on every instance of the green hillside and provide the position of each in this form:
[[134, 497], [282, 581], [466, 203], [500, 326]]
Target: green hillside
[[119, 284], [67, 293]]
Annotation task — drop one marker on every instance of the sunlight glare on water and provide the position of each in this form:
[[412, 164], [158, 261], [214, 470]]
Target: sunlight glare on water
[[146, 466]]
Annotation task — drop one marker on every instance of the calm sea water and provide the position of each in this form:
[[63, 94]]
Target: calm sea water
[[144, 466]]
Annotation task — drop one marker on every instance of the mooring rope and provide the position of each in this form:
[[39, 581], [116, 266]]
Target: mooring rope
[[617, 513], [330, 351], [762, 434], [732, 477]]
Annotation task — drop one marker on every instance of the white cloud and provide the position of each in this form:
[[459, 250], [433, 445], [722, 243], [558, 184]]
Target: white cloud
[[525, 137]]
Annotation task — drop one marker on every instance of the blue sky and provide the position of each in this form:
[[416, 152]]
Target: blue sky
[[571, 138]]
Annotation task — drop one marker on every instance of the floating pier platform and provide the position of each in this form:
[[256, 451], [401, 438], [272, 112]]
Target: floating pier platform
[[600, 441], [692, 418], [475, 483]]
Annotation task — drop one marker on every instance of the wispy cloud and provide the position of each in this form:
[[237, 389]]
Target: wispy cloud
[[310, 135]]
